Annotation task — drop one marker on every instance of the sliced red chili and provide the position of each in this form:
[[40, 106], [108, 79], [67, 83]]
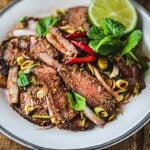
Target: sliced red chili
[[83, 47], [81, 60], [76, 35]]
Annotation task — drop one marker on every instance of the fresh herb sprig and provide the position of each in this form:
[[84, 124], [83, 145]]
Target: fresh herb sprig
[[77, 102], [23, 79], [112, 27], [132, 41], [108, 39], [43, 25]]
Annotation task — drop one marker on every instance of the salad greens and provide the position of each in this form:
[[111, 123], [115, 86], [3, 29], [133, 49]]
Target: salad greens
[[22, 79], [108, 39], [113, 27], [132, 41], [108, 45], [43, 25], [95, 33], [76, 101]]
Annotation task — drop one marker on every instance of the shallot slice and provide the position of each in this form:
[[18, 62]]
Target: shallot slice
[[12, 86], [50, 110], [114, 72], [23, 32], [93, 117], [108, 88]]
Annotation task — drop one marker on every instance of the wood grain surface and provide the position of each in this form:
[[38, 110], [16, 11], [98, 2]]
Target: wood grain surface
[[139, 141]]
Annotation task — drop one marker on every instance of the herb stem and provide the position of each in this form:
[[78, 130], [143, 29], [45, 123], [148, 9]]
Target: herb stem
[[133, 56]]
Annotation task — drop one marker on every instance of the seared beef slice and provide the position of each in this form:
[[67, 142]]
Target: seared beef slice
[[31, 46], [88, 86], [57, 93], [29, 105], [77, 17], [60, 43]]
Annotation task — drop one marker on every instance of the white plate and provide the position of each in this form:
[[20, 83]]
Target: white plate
[[136, 113]]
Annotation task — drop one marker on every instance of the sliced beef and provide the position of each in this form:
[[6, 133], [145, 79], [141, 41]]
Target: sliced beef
[[121, 64], [32, 46], [60, 43], [77, 17], [132, 73], [11, 51], [88, 86], [57, 92], [76, 124], [29, 105], [137, 79]]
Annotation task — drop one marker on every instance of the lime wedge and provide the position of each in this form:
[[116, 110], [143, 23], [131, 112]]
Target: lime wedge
[[119, 10]]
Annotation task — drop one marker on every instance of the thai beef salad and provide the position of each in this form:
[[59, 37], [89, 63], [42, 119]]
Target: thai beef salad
[[61, 70]]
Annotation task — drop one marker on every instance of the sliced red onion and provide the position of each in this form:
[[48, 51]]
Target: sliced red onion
[[32, 25], [50, 110], [108, 88], [23, 32], [93, 117]]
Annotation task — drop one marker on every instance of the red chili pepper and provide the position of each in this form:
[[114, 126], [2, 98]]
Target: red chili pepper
[[80, 60], [83, 47], [76, 35]]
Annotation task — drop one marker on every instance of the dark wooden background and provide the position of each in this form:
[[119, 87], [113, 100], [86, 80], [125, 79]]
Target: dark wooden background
[[139, 141]]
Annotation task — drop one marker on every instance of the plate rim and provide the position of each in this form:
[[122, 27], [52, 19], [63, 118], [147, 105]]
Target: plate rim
[[119, 139]]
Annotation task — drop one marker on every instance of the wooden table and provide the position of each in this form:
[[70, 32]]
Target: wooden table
[[139, 141]]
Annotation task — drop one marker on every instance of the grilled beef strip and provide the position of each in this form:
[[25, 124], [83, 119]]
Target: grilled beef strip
[[34, 46], [11, 51], [88, 86], [77, 17], [29, 105], [58, 99], [31, 46], [121, 64], [132, 73], [60, 43], [137, 79]]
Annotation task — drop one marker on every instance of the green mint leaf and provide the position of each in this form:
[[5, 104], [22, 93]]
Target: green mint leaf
[[22, 80], [108, 45], [43, 25], [113, 27], [132, 41], [76, 101], [93, 44], [95, 33]]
